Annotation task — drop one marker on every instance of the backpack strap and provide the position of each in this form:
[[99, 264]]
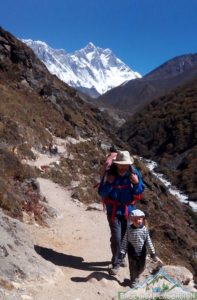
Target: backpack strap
[[115, 204]]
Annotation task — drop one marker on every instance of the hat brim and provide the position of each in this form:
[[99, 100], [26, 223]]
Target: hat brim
[[126, 162], [123, 162], [138, 216]]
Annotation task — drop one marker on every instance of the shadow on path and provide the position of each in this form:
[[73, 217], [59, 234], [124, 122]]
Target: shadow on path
[[71, 261], [99, 276]]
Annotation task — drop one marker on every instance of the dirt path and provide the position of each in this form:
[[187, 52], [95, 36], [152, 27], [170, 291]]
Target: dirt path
[[78, 242]]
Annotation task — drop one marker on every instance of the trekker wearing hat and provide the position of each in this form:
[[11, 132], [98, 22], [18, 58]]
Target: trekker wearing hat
[[120, 189], [135, 242]]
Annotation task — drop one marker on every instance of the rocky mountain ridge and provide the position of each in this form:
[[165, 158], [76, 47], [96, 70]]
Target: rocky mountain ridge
[[135, 94], [174, 67]]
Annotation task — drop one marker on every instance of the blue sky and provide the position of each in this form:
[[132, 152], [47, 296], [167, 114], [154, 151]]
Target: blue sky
[[142, 33]]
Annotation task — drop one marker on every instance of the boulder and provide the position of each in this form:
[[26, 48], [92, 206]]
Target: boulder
[[95, 206], [179, 273], [18, 258]]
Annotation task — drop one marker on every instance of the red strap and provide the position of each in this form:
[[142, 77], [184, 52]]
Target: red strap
[[114, 186], [111, 202], [136, 198], [115, 204], [96, 185], [120, 186], [126, 212], [113, 212]]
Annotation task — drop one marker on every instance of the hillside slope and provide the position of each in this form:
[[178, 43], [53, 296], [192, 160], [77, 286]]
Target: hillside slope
[[135, 94], [34, 107], [166, 130]]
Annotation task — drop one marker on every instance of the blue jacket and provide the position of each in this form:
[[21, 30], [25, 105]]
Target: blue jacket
[[120, 195]]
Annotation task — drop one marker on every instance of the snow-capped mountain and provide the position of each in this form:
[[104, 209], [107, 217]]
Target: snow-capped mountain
[[91, 70]]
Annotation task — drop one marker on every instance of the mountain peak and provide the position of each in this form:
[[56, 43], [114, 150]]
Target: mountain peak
[[92, 70], [174, 66], [90, 46]]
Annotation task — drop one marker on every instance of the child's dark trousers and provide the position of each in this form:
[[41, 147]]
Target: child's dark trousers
[[136, 264]]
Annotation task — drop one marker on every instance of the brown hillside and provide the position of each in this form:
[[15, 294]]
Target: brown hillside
[[134, 94], [166, 130], [34, 107]]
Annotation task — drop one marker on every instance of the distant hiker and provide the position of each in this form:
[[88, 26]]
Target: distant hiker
[[120, 188], [50, 148], [109, 160], [53, 149], [44, 149], [135, 242]]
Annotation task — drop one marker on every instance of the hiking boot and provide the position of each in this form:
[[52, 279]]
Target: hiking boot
[[123, 263], [114, 270]]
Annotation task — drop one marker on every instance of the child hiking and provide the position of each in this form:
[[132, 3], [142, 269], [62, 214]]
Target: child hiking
[[135, 242], [120, 188]]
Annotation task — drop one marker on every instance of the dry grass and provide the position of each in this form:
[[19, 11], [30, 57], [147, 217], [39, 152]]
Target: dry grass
[[166, 130], [6, 284]]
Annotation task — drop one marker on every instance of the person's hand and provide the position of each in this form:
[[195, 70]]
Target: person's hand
[[154, 257], [134, 178], [122, 254]]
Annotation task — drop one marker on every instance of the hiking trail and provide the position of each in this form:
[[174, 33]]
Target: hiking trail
[[77, 242]]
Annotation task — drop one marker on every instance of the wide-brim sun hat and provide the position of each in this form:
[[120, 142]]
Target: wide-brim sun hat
[[124, 158], [137, 213]]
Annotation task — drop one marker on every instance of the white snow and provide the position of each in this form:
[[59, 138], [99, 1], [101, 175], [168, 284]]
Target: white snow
[[90, 67], [172, 189]]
